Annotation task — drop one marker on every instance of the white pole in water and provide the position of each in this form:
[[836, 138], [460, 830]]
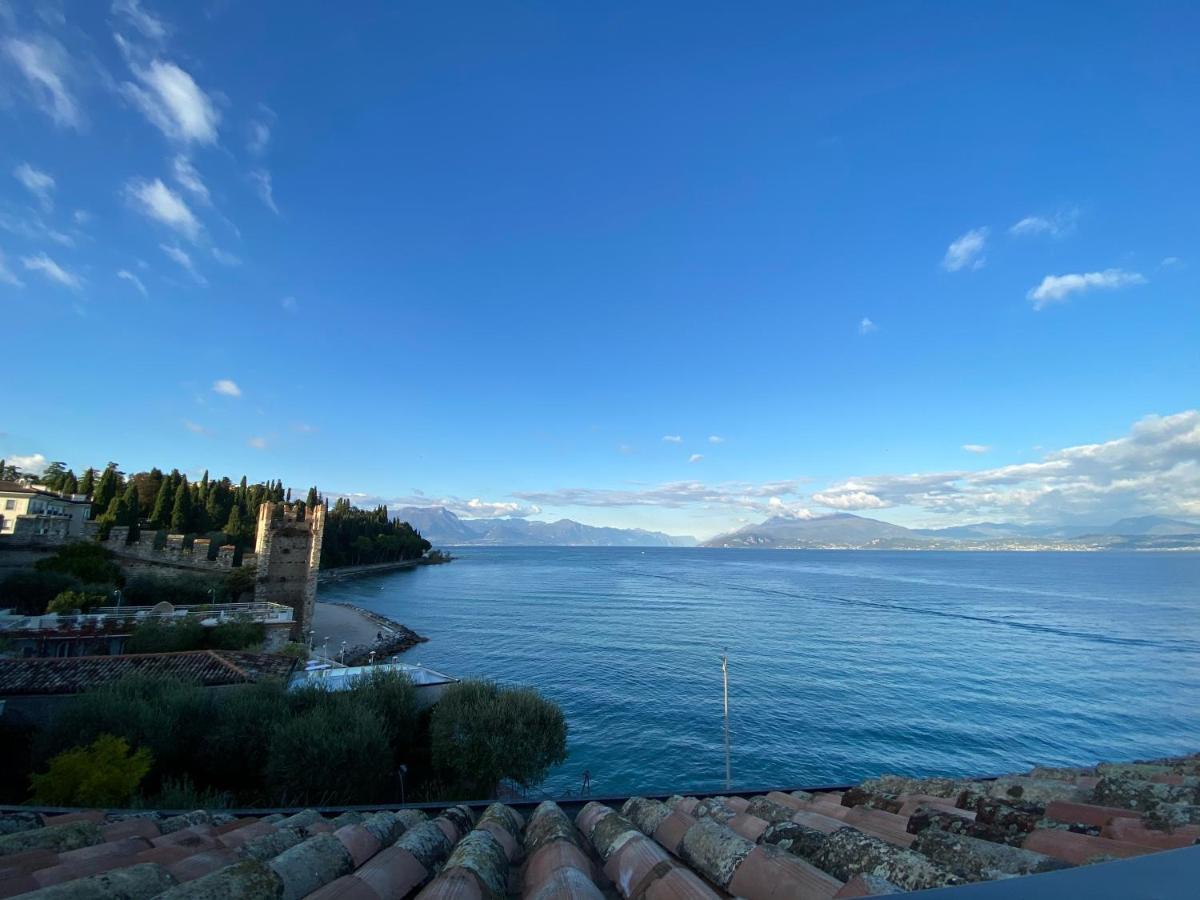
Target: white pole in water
[[725, 675]]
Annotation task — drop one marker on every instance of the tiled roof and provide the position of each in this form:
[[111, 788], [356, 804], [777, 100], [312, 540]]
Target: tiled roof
[[888, 835], [70, 675], [15, 487]]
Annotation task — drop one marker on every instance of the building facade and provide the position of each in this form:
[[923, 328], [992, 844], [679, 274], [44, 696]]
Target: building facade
[[288, 550], [37, 514]]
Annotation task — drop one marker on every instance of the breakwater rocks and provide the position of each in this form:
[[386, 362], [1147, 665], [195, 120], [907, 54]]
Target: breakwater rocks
[[344, 573], [392, 638]]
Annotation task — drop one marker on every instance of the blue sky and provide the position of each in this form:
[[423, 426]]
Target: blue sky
[[896, 259]]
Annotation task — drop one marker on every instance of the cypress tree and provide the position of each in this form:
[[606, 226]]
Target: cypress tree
[[161, 513], [130, 513], [311, 500], [181, 511], [106, 489], [70, 483]]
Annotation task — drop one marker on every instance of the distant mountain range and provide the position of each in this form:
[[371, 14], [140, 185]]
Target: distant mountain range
[[443, 528], [850, 532]]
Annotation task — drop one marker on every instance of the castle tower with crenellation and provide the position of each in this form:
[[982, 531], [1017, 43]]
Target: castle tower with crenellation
[[289, 557]]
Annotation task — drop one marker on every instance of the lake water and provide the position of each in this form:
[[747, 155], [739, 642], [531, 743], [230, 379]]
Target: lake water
[[841, 664]]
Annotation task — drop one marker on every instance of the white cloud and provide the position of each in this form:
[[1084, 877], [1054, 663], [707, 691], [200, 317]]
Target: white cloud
[[966, 251], [850, 500], [866, 326], [194, 427], [159, 202], [695, 457], [187, 176], [6, 275], [227, 387], [180, 256], [37, 182], [715, 439], [261, 179], [225, 259], [484, 509], [1058, 225], [53, 271], [151, 27], [81, 217], [173, 102], [258, 132], [673, 438], [258, 443], [47, 69], [126, 275], [33, 464], [1056, 288], [288, 304], [976, 448], [1169, 261], [1154, 469]]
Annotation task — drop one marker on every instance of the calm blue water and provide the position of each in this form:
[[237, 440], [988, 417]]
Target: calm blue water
[[842, 664]]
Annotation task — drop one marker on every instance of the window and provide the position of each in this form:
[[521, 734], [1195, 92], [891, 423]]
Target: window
[[10, 504]]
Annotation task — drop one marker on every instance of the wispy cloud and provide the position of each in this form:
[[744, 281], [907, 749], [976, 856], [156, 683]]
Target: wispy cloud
[[288, 304], [126, 275], [1057, 288], [976, 448], [47, 70], [715, 439], [159, 202], [53, 271], [173, 102], [7, 276], [258, 132], [673, 438], [195, 427], [261, 179], [224, 258], [1170, 261], [151, 27], [258, 442], [866, 326], [766, 497], [695, 457], [1058, 225], [37, 182], [187, 176], [966, 251], [226, 387], [181, 257]]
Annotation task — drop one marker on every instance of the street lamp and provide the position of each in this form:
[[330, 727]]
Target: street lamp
[[117, 594], [343, 657]]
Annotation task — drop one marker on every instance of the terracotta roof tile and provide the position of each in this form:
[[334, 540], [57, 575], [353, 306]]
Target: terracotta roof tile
[[764, 847], [71, 675]]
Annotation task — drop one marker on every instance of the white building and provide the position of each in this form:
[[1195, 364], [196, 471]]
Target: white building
[[34, 512]]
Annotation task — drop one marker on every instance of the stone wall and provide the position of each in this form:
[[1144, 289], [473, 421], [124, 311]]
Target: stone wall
[[171, 550]]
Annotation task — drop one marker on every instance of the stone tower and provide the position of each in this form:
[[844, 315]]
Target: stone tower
[[289, 558]]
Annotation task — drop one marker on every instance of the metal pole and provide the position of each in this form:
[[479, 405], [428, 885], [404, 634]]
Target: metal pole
[[725, 676]]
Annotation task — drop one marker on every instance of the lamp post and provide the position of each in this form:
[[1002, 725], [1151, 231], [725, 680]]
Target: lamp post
[[343, 656], [117, 594]]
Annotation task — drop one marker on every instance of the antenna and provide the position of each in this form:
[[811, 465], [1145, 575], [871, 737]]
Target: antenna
[[725, 676]]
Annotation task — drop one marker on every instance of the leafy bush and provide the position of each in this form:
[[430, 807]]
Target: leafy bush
[[240, 581], [104, 773], [29, 593], [482, 734], [156, 636], [181, 793], [335, 752], [87, 561], [391, 697], [292, 648], [167, 716], [179, 590], [237, 741], [69, 601]]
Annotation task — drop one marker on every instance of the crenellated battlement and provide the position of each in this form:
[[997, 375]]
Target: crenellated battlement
[[288, 548], [154, 546]]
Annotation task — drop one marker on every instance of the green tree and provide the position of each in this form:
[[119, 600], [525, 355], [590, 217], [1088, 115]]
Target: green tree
[[130, 511], [106, 490], [53, 476], [104, 774], [482, 734], [181, 510], [311, 501], [87, 484], [29, 593], [88, 561], [69, 601], [160, 516], [70, 484]]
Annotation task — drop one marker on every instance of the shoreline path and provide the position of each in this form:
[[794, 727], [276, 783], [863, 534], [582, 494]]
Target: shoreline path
[[359, 628]]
